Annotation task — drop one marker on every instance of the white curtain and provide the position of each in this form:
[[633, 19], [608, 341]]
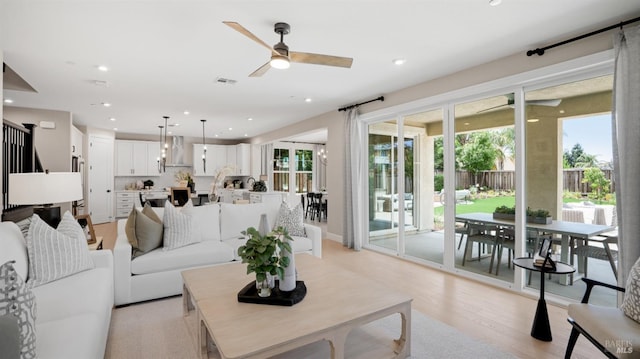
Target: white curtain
[[267, 163], [626, 146], [320, 170], [355, 157]]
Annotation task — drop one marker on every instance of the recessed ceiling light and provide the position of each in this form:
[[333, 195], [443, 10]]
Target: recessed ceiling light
[[466, 123], [8, 100], [115, 129], [169, 133], [249, 119], [186, 112], [106, 104], [112, 119], [245, 135], [307, 100], [533, 120], [103, 68], [230, 128], [561, 111], [495, 2], [399, 62], [216, 135]]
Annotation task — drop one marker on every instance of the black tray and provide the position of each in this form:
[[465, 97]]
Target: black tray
[[249, 294]]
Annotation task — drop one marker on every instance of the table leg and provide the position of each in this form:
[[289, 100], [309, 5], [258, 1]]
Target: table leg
[[541, 329], [187, 306]]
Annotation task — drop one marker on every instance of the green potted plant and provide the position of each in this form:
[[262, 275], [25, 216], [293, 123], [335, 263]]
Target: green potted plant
[[264, 256], [504, 212], [541, 216]]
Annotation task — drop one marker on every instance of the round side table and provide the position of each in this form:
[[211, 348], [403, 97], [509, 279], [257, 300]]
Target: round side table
[[541, 329]]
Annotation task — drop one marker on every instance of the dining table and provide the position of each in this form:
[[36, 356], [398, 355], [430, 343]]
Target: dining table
[[569, 232]]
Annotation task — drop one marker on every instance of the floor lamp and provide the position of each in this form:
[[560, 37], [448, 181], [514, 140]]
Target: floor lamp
[[43, 190]]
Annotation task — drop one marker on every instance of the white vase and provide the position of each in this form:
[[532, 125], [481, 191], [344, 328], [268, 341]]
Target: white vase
[[288, 283], [263, 228]]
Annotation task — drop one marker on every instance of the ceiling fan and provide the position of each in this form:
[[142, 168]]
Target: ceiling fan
[[280, 54], [511, 102]]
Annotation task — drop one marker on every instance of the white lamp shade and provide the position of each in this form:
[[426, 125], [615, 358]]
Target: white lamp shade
[[40, 188]]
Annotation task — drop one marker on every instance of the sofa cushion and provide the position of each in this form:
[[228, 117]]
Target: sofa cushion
[[14, 248], [144, 230], [292, 219], [631, 303], [74, 336], [18, 301], [236, 218], [205, 221], [620, 329], [178, 227], [90, 291], [55, 254], [199, 254]]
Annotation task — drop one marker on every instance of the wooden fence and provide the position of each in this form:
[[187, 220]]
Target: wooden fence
[[506, 180]]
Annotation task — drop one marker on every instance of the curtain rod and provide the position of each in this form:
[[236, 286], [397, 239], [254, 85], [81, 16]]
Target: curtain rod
[[381, 98], [540, 51]]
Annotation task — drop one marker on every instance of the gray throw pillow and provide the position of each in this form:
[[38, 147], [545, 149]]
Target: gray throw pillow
[[17, 312], [291, 219], [144, 231], [631, 303], [55, 254]]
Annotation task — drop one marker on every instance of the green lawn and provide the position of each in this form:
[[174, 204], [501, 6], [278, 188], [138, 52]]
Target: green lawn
[[481, 205]]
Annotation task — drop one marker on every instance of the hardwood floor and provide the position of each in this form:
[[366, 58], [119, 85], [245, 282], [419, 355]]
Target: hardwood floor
[[494, 315]]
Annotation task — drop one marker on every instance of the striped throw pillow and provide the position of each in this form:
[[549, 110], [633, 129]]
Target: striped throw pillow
[[178, 227], [55, 254]]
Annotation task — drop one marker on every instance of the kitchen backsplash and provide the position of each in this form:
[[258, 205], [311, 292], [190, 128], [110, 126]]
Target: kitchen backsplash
[[166, 179]]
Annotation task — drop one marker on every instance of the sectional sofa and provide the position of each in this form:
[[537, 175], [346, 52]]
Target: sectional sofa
[[156, 274], [72, 314]]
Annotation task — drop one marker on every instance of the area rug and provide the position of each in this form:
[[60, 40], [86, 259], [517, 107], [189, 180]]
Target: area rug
[[157, 329]]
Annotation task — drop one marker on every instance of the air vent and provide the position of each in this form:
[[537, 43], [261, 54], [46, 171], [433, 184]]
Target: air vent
[[222, 80]]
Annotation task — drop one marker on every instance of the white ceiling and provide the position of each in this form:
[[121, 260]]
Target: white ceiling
[[164, 56]]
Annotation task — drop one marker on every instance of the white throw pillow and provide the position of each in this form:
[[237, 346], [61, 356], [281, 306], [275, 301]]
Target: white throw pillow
[[291, 219], [178, 227], [631, 303], [55, 254], [18, 301]]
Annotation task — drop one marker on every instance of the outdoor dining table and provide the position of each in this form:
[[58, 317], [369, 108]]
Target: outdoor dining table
[[568, 230]]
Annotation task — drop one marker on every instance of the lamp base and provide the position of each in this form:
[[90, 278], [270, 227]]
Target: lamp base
[[49, 214]]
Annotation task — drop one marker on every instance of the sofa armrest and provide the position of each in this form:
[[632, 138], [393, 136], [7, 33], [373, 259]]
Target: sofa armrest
[[314, 233], [122, 269], [102, 259]]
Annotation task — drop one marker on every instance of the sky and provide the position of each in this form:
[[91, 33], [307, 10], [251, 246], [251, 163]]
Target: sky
[[593, 133]]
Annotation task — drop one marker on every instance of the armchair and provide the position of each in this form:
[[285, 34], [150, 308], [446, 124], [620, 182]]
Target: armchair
[[608, 328]]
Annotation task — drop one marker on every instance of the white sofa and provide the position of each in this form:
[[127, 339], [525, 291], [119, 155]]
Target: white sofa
[[157, 274], [73, 314]]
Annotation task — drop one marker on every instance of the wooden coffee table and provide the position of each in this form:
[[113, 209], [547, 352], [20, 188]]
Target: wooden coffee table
[[337, 301]]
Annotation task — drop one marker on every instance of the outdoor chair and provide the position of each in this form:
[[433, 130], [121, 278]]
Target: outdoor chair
[[600, 249], [483, 234], [610, 329], [462, 230]]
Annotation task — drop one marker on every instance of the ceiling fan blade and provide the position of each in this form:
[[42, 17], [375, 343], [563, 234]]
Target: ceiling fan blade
[[261, 70], [495, 107], [241, 29], [318, 59], [552, 103]]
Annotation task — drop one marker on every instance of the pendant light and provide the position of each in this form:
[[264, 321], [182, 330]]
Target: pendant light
[[161, 165], [204, 151], [165, 150]]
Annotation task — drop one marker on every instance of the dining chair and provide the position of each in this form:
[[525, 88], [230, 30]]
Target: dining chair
[[483, 234], [180, 196], [309, 211]]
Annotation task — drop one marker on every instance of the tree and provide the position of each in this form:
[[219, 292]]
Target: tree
[[479, 154], [505, 140], [599, 183]]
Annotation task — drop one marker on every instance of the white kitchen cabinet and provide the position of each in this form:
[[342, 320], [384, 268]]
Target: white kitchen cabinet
[[77, 137], [216, 159], [243, 159], [125, 201], [136, 158]]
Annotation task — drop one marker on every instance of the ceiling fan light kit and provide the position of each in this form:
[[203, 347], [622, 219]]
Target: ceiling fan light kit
[[279, 62]]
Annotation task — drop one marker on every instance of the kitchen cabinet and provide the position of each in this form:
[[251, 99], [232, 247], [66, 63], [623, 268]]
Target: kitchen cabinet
[[125, 201], [243, 159], [77, 137], [216, 159], [136, 158]]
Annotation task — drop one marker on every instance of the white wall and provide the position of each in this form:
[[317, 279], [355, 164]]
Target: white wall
[[334, 121]]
